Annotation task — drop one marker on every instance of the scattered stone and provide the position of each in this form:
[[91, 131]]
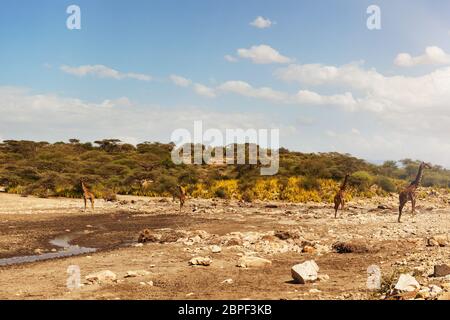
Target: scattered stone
[[200, 261], [228, 281], [435, 290], [269, 237], [271, 206], [441, 270], [101, 277], [424, 293], [305, 272], [407, 283], [234, 242], [323, 277], [350, 247], [285, 235], [282, 235], [171, 237], [146, 235], [308, 249], [137, 273], [138, 245], [438, 241], [314, 291], [253, 262], [215, 249]]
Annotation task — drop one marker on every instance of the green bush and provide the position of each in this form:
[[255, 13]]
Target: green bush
[[361, 180], [386, 184]]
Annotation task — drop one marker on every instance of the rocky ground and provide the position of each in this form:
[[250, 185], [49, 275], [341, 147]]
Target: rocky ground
[[218, 249]]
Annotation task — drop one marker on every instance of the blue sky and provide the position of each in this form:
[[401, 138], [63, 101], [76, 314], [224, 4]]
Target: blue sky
[[333, 85]]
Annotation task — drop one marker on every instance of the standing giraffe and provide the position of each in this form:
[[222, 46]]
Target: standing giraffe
[[409, 193], [87, 195], [181, 196], [339, 198]]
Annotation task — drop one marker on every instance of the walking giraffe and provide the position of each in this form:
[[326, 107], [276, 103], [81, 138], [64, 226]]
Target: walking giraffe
[[339, 198], [409, 193]]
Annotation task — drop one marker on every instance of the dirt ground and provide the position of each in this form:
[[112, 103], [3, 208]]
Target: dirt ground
[[275, 231]]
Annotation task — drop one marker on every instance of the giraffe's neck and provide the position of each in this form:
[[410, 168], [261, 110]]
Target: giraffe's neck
[[344, 184], [419, 176], [85, 190]]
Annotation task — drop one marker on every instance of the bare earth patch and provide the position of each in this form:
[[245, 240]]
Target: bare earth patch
[[224, 232]]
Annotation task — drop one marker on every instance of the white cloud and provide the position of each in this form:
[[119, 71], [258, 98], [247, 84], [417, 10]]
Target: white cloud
[[245, 89], [180, 81], [374, 91], [263, 54], [356, 131], [319, 74], [432, 56], [203, 90], [198, 88], [306, 97], [50, 117], [407, 105], [102, 71], [230, 58], [120, 102], [303, 97], [261, 23]]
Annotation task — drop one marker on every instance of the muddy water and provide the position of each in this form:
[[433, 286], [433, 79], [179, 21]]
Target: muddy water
[[62, 242]]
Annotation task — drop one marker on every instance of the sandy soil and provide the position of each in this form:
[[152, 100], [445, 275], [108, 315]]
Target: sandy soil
[[240, 229]]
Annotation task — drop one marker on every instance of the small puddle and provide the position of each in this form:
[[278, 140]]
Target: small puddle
[[63, 242]]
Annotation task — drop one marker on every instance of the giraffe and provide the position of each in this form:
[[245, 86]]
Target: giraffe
[[339, 198], [87, 195], [145, 185], [181, 196], [409, 193]]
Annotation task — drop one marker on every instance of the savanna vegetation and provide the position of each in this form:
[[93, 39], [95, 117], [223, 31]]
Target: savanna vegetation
[[111, 167]]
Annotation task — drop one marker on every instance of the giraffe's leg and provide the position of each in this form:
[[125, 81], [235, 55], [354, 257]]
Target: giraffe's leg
[[342, 204], [336, 208], [413, 206], [400, 209], [85, 203], [92, 203]]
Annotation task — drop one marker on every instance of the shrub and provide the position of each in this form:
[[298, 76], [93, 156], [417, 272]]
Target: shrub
[[361, 180], [385, 184]]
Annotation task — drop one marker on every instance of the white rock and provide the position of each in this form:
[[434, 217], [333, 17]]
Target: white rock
[[137, 273], [253, 262], [216, 249], [228, 281], [200, 261], [304, 272], [435, 290], [407, 283], [101, 276]]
